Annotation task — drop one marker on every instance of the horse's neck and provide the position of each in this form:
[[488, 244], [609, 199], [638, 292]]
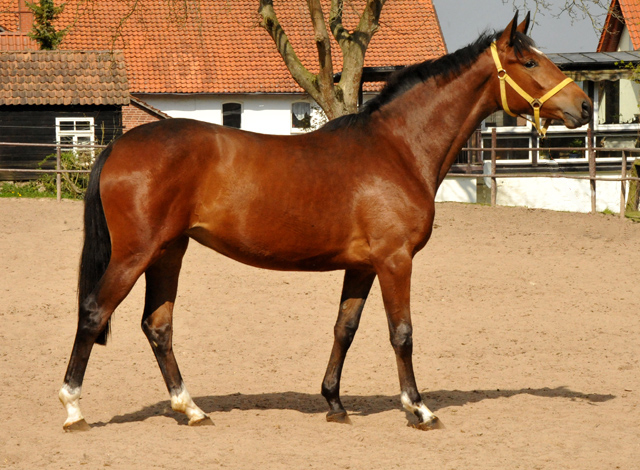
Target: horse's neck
[[439, 116]]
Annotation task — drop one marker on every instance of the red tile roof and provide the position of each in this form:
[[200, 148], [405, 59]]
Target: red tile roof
[[222, 49], [60, 77], [17, 42], [15, 22], [631, 13], [8, 20], [621, 13]]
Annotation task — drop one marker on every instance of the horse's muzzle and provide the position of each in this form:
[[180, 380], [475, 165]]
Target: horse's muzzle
[[572, 120]]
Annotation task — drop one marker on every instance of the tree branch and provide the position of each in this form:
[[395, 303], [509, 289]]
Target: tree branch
[[574, 9], [354, 46], [335, 21], [323, 44], [270, 23], [371, 17], [335, 100]]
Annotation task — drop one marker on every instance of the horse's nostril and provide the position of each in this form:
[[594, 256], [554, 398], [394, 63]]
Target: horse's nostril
[[586, 109]]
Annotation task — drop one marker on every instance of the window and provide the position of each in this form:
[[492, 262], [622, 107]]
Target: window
[[74, 131], [506, 143], [300, 115], [609, 103], [613, 142], [232, 115], [565, 142], [618, 102], [502, 119]]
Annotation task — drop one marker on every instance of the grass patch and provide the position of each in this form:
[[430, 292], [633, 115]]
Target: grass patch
[[29, 189], [73, 185]]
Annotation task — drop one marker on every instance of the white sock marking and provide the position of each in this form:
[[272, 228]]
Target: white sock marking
[[419, 409], [182, 402], [70, 398]]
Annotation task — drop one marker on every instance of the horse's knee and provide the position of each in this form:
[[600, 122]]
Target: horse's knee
[[402, 337], [329, 389], [344, 333], [158, 336]]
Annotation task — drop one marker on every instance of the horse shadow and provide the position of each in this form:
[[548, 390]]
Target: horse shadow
[[308, 403]]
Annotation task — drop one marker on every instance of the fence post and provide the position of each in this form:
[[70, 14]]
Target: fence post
[[494, 188], [623, 184], [58, 174], [592, 169]]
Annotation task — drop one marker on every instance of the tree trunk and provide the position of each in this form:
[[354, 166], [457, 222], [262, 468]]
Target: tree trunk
[[335, 99]]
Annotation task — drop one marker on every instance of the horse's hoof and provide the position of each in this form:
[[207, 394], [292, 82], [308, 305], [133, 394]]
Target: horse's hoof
[[80, 425], [338, 417], [433, 423], [206, 421]]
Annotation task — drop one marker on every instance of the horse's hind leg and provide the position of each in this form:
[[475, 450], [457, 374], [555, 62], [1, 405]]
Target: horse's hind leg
[[96, 310], [355, 290], [157, 324]]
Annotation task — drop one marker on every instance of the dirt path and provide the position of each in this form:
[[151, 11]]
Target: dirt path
[[526, 333]]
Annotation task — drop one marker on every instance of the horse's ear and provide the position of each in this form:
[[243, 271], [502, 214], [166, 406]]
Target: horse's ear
[[524, 26], [509, 33]]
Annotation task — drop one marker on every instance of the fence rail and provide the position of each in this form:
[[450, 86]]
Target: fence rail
[[591, 156], [59, 170], [493, 175]]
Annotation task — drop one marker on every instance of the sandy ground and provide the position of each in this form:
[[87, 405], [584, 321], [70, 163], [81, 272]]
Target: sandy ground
[[526, 332]]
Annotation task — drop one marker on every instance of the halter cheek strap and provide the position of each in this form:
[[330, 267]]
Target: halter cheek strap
[[536, 103]]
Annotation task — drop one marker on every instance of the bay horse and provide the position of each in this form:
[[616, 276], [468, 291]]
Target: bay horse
[[355, 195]]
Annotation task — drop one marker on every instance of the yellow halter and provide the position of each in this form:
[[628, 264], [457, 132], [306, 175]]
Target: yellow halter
[[536, 103]]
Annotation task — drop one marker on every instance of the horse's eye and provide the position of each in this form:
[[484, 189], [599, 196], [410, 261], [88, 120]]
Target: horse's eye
[[531, 64]]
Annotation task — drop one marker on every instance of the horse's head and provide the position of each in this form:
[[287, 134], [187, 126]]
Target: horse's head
[[529, 83]]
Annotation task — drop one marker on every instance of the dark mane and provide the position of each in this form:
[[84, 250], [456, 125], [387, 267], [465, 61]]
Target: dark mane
[[412, 75]]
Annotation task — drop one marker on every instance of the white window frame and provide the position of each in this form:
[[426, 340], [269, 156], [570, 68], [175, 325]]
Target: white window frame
[[78, 136], [563, 132], [301, 130], [511, 135], [608, 127], [525, 129]]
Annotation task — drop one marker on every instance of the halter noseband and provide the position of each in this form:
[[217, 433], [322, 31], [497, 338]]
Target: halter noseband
[[536, 103]]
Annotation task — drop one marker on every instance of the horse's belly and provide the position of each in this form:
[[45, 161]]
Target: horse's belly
[[285, 250]]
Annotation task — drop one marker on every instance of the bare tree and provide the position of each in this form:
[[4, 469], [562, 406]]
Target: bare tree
[[336, 99], [574, 9]]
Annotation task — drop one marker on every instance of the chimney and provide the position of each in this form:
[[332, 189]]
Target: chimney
[[25, 17]]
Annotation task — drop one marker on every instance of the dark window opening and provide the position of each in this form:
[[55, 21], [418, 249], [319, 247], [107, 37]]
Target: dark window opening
[[301, 115], [507, 143], [568, 142], [232, 115]]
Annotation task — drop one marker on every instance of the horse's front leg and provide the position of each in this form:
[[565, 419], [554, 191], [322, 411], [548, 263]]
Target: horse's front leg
[[394, 273]]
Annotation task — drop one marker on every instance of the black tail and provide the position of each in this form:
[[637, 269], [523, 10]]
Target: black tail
[[96, 251]]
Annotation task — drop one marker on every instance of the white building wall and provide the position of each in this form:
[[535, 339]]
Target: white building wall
[[264, 113], [558, 194], [625, 41], [458, 189]]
